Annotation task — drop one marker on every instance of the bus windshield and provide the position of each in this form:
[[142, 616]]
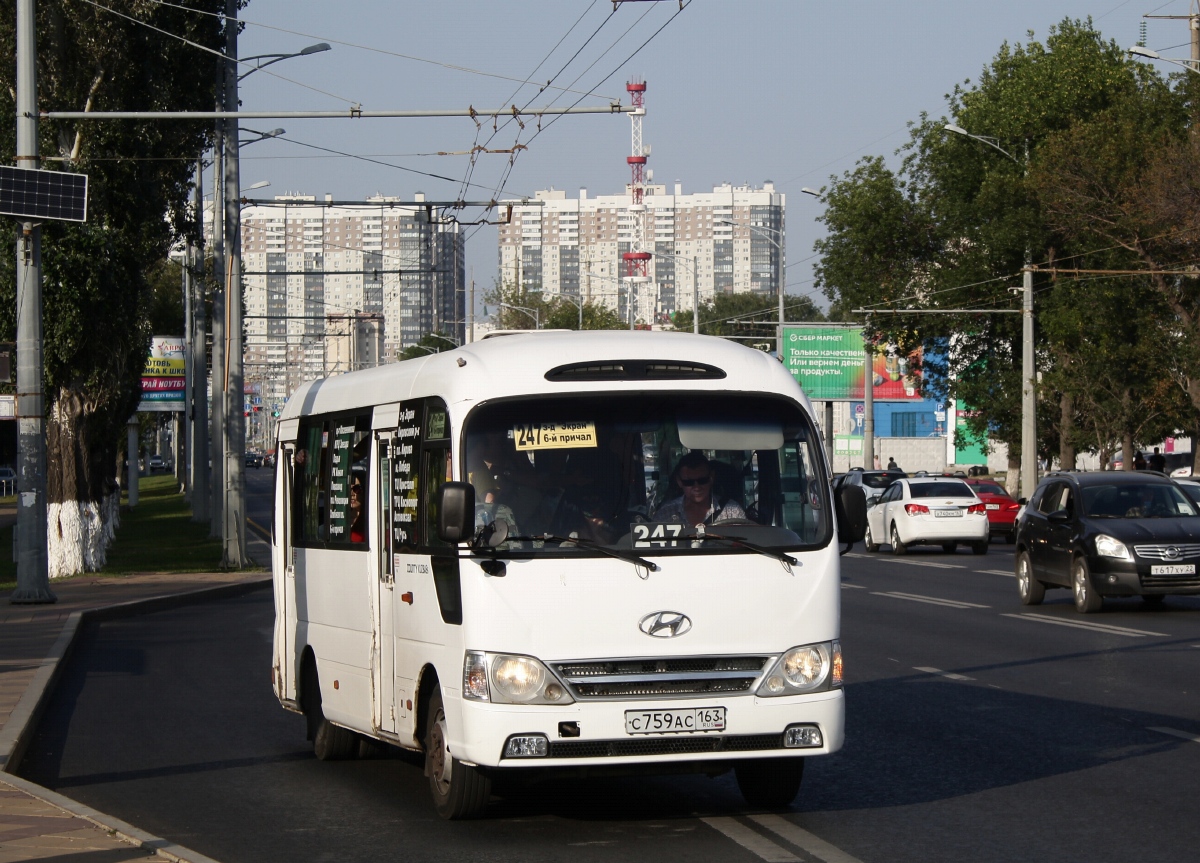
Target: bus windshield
[[648, 470]]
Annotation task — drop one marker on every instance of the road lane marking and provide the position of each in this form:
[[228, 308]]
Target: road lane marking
[[1094, 627], [999, 572], [933, 564], [804, 840], [751, 840], [1174, 732], [931, 600], [852, 586], [949, 674]]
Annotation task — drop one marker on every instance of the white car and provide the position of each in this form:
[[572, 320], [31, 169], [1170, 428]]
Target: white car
[[930, 510]]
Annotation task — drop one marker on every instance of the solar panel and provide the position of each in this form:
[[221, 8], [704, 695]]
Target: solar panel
[[32, 194]]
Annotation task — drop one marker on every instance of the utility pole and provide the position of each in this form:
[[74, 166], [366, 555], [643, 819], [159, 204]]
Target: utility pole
[[869, 407], [33, 574], [217, 419], [233, 554], [198, 408], [1029, 465]]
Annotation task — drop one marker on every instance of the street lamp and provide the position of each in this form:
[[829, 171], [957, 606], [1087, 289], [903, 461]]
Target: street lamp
[[1139, 51], [1028, 397], [275, 58], [233, 428], [533, 313], [778, 244]]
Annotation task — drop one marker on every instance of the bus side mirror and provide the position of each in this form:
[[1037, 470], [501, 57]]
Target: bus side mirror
[[456, 511], [851, 505]]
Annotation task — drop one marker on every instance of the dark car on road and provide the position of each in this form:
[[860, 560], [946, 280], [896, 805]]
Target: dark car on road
[[1110, 533], [254, 459], [872, 482]]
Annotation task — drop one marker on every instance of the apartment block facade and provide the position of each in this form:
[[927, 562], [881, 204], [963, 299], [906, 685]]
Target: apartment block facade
[[730, 240], [315, 272]]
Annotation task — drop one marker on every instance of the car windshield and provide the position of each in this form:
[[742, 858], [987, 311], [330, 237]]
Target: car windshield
[[1140, 500], [1192, 491], [880, 480], [948, 488], [641, 470], [989, 488]]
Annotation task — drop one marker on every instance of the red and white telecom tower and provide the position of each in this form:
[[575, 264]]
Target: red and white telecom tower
[[637, 259]]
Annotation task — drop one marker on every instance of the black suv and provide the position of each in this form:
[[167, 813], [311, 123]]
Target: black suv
[[1110, 533]]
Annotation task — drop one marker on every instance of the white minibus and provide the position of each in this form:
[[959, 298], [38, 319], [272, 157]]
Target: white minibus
[[594, 551]]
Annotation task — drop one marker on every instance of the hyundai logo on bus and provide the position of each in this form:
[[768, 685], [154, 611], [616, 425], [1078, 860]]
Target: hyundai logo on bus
[[665, 624]]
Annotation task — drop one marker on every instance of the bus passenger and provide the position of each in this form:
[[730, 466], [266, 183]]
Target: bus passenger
[[698, 502], [358, 527]]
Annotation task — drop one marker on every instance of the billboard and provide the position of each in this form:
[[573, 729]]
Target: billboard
[[828, 362], [163, 380]]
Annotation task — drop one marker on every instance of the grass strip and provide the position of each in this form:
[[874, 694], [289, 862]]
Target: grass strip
[[158, 535]]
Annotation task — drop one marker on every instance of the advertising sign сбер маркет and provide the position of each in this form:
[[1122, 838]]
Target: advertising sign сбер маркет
[[828, 362]]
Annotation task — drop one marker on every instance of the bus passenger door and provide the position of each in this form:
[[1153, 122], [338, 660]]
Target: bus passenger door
[[387, 704], [287, 635]]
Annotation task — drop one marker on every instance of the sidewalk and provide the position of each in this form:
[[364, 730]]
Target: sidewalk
[[36, 823]]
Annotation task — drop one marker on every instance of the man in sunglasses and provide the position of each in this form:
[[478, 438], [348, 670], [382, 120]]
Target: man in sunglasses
[[698, 502]]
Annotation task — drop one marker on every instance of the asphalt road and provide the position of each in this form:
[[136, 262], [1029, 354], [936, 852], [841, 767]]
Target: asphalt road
[[976, 730]]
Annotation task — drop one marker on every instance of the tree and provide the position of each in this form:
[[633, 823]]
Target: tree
[[430, 343], [749, 317], [520, 308], [96, 275], [951, 229]]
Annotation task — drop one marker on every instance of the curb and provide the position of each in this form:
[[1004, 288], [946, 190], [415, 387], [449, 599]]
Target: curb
[[18, 731]]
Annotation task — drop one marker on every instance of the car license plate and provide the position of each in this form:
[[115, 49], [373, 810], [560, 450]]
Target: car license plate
[[1173, 569], [948, 513], [675, 721], [993, 506]]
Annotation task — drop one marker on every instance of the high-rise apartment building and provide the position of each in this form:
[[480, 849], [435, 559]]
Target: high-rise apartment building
[[728, 241], [315, 272]]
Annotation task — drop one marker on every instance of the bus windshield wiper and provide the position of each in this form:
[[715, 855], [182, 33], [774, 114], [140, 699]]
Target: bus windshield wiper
[[703, 535], [628, 557]]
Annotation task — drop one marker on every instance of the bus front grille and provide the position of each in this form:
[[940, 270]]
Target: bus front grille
[[661, 678], [689, 745]]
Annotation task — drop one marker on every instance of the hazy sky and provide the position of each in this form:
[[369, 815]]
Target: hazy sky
[[739, 91]]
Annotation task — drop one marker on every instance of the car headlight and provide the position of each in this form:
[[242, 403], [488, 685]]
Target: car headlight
[[504, 678], [1110, 546], [808, 668]]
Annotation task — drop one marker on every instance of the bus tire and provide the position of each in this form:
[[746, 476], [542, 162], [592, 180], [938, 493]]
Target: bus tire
[[330, 742], [459, 791], [770, 783]]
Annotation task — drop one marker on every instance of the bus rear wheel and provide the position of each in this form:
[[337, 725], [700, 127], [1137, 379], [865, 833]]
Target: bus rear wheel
[[770, 783], [459, 791]]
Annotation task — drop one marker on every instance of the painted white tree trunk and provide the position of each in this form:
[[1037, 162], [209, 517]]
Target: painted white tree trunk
[[79, 535]]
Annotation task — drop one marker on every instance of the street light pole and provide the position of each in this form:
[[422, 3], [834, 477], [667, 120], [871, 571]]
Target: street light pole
[[533, 313], [33, 574], [1028, 371], [233, 545]]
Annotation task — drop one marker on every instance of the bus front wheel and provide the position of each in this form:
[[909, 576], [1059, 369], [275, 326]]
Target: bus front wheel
[[770, 783], [330, 742], [459, 791]]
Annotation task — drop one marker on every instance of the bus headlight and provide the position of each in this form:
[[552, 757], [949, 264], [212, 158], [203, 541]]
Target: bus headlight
[[808, 668], [510, 679]]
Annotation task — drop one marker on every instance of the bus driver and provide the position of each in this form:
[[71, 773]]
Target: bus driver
[[698, 502]]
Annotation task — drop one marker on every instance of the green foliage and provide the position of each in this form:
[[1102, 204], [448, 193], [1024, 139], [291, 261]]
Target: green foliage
[[1071, 130], [525, 309], [752, 318], [98, 276], [430, 343]]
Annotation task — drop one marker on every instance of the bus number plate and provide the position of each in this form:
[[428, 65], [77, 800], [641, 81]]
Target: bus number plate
[[675, 721]]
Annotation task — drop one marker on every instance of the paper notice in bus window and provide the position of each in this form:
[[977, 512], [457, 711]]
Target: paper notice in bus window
[[564, 435]]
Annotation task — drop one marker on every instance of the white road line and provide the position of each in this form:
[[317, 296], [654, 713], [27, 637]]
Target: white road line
[[999, 572], [930, 563], [931, 600], [752, 841], [804, 840], [852, 586], [1174, 732], [948, 674], [1094, 627]]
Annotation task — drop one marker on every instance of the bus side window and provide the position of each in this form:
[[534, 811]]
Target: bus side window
[[309, 500]]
